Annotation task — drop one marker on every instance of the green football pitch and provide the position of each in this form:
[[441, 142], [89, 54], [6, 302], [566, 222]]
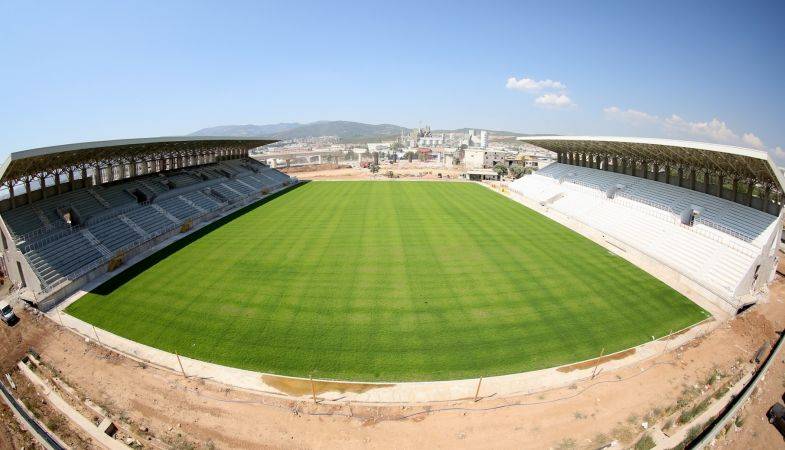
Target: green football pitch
[[387, 281]]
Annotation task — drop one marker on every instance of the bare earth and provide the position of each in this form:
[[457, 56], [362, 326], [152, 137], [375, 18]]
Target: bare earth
[[402, 170], [585, 415], [161, 408]]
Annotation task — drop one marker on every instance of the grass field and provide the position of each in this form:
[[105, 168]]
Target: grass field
[[387, 281]]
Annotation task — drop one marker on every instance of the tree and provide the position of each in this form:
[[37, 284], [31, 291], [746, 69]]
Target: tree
[[517, 171], [409, 155], [500, 169]]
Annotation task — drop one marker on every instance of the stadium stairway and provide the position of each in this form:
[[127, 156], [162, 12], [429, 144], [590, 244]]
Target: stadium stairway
[[111, 219], [718, 250]]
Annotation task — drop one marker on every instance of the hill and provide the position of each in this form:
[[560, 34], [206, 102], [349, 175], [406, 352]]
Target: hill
[[341, 128], [246, 130]]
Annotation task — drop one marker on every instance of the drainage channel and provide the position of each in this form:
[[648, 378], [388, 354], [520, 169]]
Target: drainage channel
[[41, 434]]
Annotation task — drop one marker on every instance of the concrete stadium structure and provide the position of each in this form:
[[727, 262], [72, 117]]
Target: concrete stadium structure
[[72, 212], [706, 218]]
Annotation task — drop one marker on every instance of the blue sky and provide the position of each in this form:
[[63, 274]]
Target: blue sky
[[76, 71]]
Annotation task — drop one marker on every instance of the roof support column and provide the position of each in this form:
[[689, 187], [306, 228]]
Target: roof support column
[[615, 162], [624, 166], [750, 188], [605, 162], [11, 196], [720, 187], [706, 181], [764, 206], [735, 194], [84, 176], [71, 178], [680, 177], [43, 185], [645, 169], [667, 174], [27, 191], [58, 189], [656, 172], [692, 178], [97, 175]]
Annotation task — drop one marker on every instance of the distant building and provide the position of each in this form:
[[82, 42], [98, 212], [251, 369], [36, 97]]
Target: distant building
[[478, 158], [431, 141], [476, 138]]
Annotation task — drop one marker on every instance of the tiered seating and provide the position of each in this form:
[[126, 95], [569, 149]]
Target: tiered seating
[[202, 200], [275, 175], [85, 204], [183, 179], [22, 220], [116, 195], [646, 215], [56, 252], [114, 233], [153, 184], [254, 181], [56, 260], [149, 219], [239, 187], [178, 208]]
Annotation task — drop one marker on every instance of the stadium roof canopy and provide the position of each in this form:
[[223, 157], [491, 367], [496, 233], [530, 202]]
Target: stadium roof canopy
[[744, 163], [47, 160]]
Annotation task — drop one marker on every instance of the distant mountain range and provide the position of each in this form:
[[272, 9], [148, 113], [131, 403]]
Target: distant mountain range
[[340, 128], [349, 131]]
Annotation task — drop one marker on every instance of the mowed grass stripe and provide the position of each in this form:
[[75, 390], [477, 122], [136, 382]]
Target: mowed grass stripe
[[387, 281]]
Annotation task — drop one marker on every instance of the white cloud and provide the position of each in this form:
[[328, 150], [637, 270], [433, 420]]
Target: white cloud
[[555, 101], [529, 85], [631, 116], [714, 130], [752, 140]]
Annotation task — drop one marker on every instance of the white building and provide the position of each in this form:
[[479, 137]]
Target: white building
[[476, 138], [433, 140], [476, 158]]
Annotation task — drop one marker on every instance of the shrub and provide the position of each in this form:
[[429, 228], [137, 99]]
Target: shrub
[[645, 443]]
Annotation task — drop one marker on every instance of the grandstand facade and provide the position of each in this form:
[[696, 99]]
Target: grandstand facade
[[70, 213], [710, 214]]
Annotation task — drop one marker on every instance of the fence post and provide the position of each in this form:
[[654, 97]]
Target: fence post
[[96, 334], [598, 363], [313, 388], [181, 364]]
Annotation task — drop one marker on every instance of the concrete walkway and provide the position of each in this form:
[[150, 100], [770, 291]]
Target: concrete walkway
[[378, 392], [72, 414]]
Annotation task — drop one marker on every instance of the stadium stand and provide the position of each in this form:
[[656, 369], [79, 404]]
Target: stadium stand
[[62, 236], [725, 246]]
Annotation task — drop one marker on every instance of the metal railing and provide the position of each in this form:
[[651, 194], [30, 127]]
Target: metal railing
[[221, 208], [722, 228]]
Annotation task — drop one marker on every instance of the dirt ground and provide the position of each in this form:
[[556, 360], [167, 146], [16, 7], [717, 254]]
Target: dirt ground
[[402, 170], [184, 412]]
